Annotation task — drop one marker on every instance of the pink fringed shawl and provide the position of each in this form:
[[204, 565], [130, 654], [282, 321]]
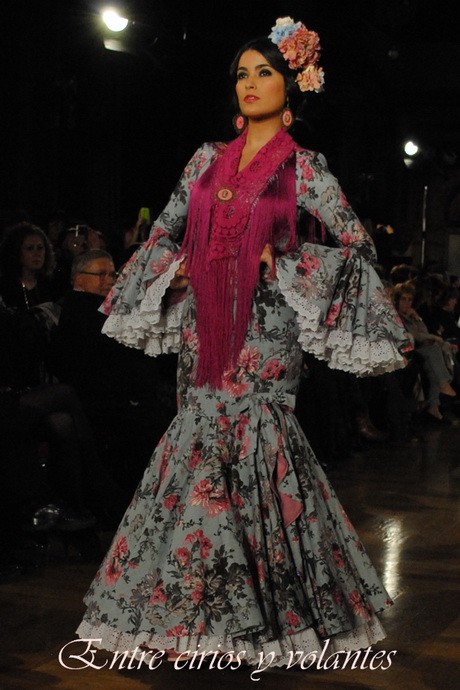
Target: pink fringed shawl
[[232, 216]]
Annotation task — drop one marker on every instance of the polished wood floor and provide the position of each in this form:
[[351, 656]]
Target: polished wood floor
[[404, 501]]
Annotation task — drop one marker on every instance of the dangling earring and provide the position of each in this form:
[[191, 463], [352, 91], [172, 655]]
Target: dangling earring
[[287, 118], [240, 122]]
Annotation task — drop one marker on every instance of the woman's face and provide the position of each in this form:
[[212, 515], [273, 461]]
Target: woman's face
[[450, 304], [405, 302], [32, 253], [260, 89]]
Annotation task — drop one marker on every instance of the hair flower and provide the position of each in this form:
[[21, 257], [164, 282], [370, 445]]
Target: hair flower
[[311, 79], [301, 48]]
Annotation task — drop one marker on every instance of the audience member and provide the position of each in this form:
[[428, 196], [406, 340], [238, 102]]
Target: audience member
[[428, 347], [73, 242], [128, 397], [75, 484], [26, 266]]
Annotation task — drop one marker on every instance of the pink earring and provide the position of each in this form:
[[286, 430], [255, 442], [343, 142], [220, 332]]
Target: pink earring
[[287, 118], [240, 122]]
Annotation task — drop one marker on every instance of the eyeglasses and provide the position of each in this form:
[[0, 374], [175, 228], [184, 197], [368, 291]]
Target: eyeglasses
[[101, 274]]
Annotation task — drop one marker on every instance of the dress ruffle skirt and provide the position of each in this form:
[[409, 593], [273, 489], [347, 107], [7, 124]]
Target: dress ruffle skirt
[[234, 539]]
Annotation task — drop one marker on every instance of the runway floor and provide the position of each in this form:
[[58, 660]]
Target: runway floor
[[404, 502]]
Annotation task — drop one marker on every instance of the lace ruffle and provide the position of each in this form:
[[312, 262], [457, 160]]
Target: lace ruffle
[[306, 641], [341, 349], [147, 326]]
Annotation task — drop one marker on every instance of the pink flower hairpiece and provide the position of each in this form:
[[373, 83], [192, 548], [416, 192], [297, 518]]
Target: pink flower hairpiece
[[301, 48]]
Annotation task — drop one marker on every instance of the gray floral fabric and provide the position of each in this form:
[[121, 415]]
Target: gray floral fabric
[[234, 532]]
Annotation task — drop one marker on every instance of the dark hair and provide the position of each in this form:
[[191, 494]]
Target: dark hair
[[406, 288], [10, 250], [275, 58], [82, 260], [448, 293]]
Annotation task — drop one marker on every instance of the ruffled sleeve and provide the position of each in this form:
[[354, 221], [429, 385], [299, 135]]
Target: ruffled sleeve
[[138, 313], [343, 312]]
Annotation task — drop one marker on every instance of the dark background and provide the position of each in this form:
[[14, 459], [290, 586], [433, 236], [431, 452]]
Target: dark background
[[99, 133]]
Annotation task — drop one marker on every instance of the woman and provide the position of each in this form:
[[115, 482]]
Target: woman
[[234, 539], [26, 265], [434, 352]]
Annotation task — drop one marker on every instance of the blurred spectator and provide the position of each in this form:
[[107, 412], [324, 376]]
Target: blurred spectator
[[73, 242], [128, 397], [429, 347], [51, 414], [26, 262], [402, 273], [443, 317], [26, 266]]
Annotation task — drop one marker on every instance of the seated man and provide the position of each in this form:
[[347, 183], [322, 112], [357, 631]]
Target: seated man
[[128, 396]]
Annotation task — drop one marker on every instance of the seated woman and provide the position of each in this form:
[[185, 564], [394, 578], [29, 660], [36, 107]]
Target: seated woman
[[26, 265], [444, 315], [428, 346]]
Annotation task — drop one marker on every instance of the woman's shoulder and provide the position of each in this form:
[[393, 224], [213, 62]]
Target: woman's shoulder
[[204, 155], [309, 156]]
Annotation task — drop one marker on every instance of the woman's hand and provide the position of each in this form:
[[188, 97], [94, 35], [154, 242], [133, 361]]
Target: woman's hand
[[181, 278], [268, 258]]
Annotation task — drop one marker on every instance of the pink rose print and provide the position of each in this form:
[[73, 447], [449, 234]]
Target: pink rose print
[[196, 597], [183, 555], [292, 618], [155, 235], [358, 606], [261, 571], [113, 568], [323, 490], [177, 631], [307, 170], [205, 543], [308, 263], [338, 558], [224, 423], [241, 426], [205, 547], [333, 313], [218, 506], [107, 304], [190, 339], [170, 501], [195, 458], [158, 594], [112, 572], [303, 188], [273, 369], [163, 262], [237, 500], [249, 359], [233, 384], [201, 492], [244, 447]]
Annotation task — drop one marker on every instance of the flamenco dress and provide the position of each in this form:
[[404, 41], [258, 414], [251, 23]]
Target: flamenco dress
[[234, 539]]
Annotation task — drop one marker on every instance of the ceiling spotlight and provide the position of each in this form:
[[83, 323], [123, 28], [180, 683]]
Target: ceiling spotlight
[[410, 148], [113, 20]]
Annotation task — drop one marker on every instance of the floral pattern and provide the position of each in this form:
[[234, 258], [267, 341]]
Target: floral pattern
[[234, 531]]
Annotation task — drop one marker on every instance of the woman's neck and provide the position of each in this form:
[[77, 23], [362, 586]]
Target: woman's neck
[[28, 278], [259, 133]]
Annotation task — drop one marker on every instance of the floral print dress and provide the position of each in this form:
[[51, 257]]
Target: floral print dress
[[234, 539]]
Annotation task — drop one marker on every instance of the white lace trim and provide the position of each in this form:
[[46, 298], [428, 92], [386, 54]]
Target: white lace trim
[[147, 327], [341, 349], [104, 637]]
